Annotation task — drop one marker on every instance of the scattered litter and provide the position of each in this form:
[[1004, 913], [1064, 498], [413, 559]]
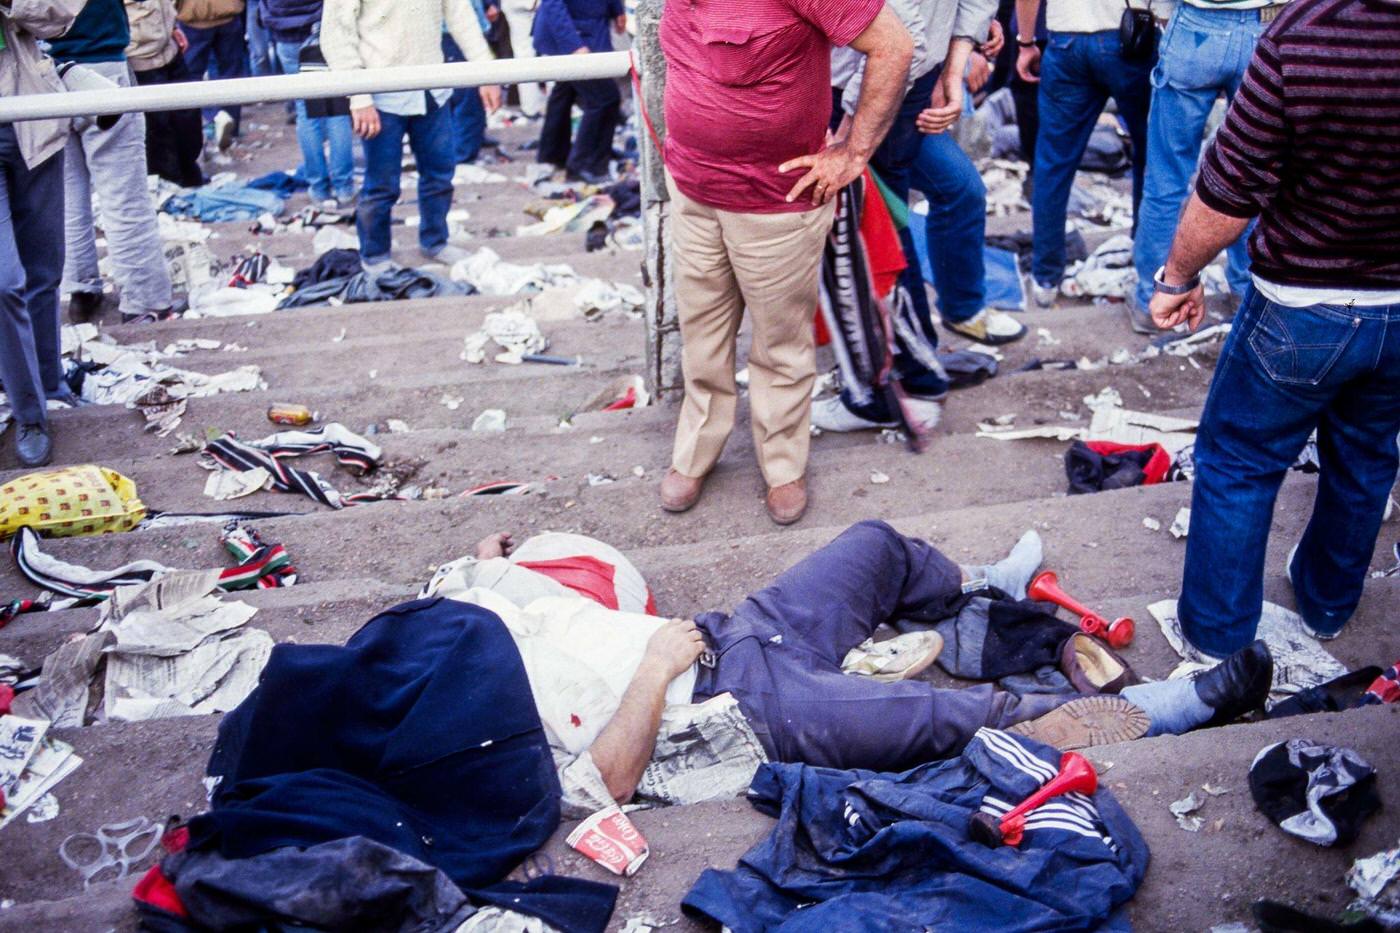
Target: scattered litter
[[624, 392], [112, 852], [1181, 525], [360, 456], [1299, 661], [49, 762], [42, 810], [878, 478], [1319, 793], [1151, 524], [570, 217], [70, 501], [485, 271], [512, 331], [609, 838], [1374, 881], [469, 174], [333, 237], [492, 419], [646, 924], [600, 479], [1107, 273], [235, 484], [1183, 810], [1214, 790], [395, 426], [452, 402], [1046, 339], [639, 471], [340, 336], [1190, 343], [597, 298]]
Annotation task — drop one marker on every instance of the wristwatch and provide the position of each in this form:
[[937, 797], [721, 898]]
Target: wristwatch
[[1162, 288], [1025, 43]]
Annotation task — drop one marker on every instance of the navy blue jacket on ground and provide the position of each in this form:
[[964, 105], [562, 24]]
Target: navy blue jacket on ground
[[421, 734], [99, 34], [861, 851], [290, 20], [562, 27]]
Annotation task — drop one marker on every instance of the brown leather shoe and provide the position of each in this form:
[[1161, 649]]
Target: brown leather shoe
[[787, 503], [679, 492]]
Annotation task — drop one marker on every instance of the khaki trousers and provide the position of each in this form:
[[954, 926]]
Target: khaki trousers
[[723, 262]]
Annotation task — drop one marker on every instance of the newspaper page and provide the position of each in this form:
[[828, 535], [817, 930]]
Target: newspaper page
[[19, 740], [704, 751], [53, 762]]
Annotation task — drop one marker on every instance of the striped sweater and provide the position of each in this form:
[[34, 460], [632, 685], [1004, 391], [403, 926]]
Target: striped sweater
[[1312, 146]]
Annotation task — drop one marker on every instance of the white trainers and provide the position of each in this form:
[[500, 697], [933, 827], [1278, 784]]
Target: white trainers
[[1044, 295], [831, 414], [989, 326], [898, 658], [448, 254], [223, 130]]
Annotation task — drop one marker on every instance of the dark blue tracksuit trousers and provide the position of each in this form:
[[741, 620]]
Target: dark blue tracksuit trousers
[[780, 654]]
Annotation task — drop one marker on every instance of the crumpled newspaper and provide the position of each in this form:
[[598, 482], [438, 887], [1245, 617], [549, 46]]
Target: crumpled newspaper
[[1108, 272], [1374, 879], [597, 298], [1300, 661], [512, 330], [485, 271]]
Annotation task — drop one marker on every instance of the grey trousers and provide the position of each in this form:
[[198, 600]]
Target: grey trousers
[[112, 164]]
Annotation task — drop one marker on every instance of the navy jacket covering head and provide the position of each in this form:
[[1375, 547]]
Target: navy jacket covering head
[[562, 27], [421, 734], [861, 851]]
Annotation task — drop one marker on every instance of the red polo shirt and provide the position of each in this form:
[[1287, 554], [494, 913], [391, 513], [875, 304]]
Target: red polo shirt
[[748, 86]]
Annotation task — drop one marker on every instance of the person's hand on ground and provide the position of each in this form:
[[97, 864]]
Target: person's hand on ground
[[828, 172], [979, 72], [491, 97], [945, 106], [182, 41], [365, 122], [674, 647], [1171, 311], [1028, 63], [996, 38], [496, 545]]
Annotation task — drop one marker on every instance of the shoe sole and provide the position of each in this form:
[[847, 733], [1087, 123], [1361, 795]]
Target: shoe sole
[[1087, 722], [786, 519]]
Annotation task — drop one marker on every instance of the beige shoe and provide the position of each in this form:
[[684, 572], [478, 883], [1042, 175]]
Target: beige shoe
[[787, 503], [989, 326], [679, 492], [1085, 722], [899, 658]]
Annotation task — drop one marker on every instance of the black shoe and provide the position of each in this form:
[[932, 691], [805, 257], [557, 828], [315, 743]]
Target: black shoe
[[84, 306], [1237, 685], [590, 178], [33, 445], [151, 317]]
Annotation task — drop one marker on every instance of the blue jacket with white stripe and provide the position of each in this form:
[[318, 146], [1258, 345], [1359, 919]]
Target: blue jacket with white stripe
[[858, 851]]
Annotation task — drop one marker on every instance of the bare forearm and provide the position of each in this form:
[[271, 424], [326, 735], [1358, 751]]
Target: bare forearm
[[1200, 236], [1027, 12], [888, 52], [959, 50], [624, 747]]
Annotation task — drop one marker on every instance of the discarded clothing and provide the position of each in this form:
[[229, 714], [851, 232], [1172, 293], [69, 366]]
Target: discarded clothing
[[1097, 466], [1005, 287], [966, 368], [627, 198], [1349, 691], [282, 184], [350, 449], [993, 638], [857, 850], [486, 272], [332, 264], [260, 565], [1021, 243], [223, 203], [395, 284], [1107, 273], [511, 330], [352, 883], [70, 501], [1320, 793], [419, 734]]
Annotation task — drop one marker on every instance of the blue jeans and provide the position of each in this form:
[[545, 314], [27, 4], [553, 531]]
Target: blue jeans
[[468, 112], [1203, 55], [956, 225], [1283, 373], [265, 56], [314, 134], [219, 52], [430, 138], [31, 266], [1080, 71]]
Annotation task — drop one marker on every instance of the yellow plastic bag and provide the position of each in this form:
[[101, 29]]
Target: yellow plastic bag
[[78, 500]]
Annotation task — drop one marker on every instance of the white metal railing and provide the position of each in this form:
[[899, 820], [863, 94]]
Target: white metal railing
[[312, 85]]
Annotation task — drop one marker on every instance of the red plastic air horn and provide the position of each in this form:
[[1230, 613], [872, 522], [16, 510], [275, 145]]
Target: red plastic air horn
[[1076, 776], [1046, 587]]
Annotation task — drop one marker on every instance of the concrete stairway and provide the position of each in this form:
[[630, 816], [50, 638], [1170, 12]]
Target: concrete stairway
[[972, 496]]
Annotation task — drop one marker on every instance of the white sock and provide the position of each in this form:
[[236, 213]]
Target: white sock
[[1013, 573]]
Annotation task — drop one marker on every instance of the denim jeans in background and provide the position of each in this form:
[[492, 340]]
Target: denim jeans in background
[[468, 112], [1283, 373], [1203, 55], [265, 57], [218, 52], [31, 265], [956, 225], [1079, 72], [430, 138], [335, 178]]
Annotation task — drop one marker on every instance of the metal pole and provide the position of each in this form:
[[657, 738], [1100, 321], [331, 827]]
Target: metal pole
[[312, 85]]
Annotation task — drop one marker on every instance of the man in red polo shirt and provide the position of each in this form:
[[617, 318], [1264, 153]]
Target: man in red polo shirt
[[751, 181]]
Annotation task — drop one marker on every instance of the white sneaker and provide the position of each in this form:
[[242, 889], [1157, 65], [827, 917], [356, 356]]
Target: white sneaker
[[831, 414], [448, 254], [1045, 295], [223, 130], [989, 326], [898, 658], [377, 268]]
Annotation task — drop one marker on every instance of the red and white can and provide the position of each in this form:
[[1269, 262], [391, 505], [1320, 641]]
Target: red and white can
[[609, 838]]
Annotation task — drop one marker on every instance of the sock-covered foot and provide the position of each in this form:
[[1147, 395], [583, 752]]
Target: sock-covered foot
[[1013, 573], [1236, 686]]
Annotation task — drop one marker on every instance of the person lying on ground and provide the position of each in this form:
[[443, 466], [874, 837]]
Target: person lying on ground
[[603, 671]]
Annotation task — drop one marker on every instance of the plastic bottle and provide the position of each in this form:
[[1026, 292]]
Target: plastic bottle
[[295, 415]]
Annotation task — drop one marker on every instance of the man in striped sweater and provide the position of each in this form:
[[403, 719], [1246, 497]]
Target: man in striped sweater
[[1312, 148], [1204, 53]]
